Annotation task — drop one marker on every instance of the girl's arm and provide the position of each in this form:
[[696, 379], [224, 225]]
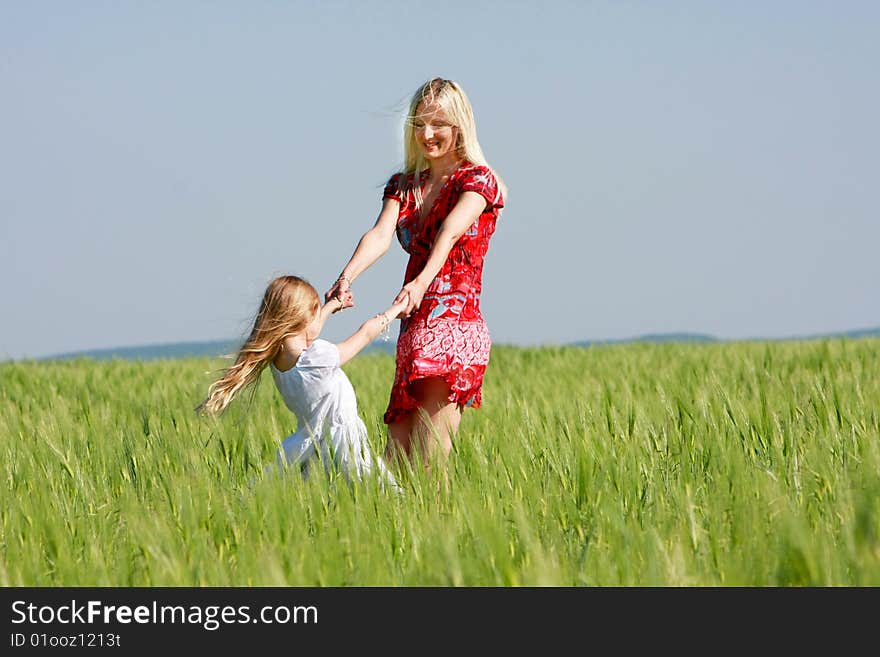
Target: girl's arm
[[372, 245], [314, 330], [463, 215], [367, 333]]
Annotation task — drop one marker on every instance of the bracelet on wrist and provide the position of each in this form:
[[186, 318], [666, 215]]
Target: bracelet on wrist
[[386, 325]]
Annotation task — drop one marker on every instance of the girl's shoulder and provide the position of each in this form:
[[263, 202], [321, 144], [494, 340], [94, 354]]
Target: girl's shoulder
[[321, 353]]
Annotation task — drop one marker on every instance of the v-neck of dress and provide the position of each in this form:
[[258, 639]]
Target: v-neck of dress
[[422, 215]]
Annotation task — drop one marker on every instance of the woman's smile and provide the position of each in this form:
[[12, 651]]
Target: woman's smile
[[434, 133], [431, 145]]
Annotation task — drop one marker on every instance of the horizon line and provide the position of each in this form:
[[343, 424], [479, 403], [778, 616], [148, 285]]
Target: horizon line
[[212, 347]]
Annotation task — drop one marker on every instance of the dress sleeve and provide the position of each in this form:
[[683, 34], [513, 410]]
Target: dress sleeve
[[391, 188], [320, 354], [482, 181]]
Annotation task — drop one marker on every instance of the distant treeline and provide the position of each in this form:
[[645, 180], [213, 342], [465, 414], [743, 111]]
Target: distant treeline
[[220, 348]]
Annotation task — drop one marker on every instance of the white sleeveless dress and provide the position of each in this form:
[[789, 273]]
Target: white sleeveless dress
[[328, 425]]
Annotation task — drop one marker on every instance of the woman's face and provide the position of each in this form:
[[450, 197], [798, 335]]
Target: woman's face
[[434, 134]]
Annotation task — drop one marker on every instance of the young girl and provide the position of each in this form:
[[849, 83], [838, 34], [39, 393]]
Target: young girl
[[307, 373]]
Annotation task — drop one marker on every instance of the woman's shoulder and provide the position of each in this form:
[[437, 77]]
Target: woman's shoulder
[[394, 188], [469, 168], [398, 184], [483, 180]]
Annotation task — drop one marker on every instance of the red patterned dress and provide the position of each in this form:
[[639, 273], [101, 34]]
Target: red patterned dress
[[446, 337]]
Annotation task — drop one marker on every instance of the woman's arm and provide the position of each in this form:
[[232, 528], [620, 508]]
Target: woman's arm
[[462, 217], [367, 332], [370, 248]]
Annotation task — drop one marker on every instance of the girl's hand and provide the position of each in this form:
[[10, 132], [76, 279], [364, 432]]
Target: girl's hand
[[412, 294], [396, 311], [399, 307]]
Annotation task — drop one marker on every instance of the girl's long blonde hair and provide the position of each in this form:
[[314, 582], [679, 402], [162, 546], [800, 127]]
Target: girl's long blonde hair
[[289, 305], [450, 97]]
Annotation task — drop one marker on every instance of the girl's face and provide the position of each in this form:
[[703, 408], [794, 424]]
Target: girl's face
[[313, 330], [434, 134]]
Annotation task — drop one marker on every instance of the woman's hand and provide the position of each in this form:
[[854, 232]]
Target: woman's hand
[[346, 301], [411, 293], [341, 290]]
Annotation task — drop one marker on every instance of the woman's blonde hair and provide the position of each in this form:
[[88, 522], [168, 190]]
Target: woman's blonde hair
[[450, 97], [289, 305]]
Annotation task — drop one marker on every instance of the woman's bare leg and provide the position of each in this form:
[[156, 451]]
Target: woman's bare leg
[[398, 446], [434, 422]]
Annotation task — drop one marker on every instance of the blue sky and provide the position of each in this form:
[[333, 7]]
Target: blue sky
[[684, 166]]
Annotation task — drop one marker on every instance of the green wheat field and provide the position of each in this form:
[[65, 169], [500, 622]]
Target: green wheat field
[[732, 464]]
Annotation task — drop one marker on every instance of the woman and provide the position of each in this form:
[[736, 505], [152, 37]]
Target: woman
[[443, 207]]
